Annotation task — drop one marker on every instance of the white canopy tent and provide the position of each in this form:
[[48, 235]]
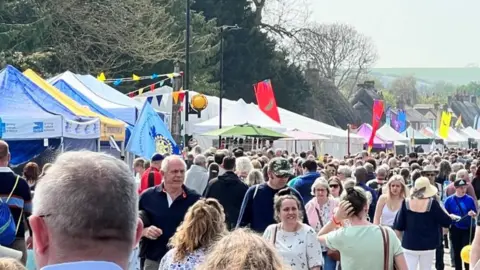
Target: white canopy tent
[[454, 139], [241, 113], [388, 133], [471, 133], [336, 144]]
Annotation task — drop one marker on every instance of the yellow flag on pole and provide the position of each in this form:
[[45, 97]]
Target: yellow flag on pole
[[175, 96], [101, 77], [135, 77], [458, 123], [444, 124]]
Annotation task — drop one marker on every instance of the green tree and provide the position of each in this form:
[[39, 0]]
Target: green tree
[[250, 56], [472, 88]]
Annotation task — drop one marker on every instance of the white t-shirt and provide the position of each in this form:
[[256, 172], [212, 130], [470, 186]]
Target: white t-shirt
[[301, 249]]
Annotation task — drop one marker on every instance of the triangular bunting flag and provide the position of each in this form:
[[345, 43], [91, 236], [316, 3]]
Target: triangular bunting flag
[[117, 82], [161, 83], [166, 99], [159, 99], [135, 77], [171, 75], [152, 87], [149, 99], [140, 91], [175, 96], [131, 94], [154, 76], [181, 96], [101, 77]]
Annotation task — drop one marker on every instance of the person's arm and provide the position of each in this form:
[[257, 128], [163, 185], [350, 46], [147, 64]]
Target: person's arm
[[378, 209], [208, 188], [475, 253], [246, 211], [441, 216], [340, 215], [397, 251], [400, 223]]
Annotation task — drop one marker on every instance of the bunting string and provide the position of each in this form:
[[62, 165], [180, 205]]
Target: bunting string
[[117, 81], [150, 87]]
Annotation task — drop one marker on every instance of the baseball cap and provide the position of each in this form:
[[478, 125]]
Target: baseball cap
[[460, 183], [157, 157], [280, 166]]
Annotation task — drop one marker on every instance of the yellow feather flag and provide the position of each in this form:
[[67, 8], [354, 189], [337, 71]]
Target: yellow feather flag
[[458, 123], [135, 77], [445, 124], [140, 91], [101, 77], [175, 96]]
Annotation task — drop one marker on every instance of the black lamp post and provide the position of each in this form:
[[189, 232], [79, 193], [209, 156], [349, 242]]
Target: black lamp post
[[187, 48], [223, 29]]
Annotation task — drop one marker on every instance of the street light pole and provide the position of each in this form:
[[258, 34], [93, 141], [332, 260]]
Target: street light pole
[[187, 48], [220, 112]]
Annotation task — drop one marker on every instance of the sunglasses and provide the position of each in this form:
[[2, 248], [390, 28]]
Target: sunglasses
[[333, 186], [430, 174]]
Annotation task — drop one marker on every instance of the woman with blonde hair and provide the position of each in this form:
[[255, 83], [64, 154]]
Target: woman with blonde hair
[[11, 264], [255, 177], [242, 250], [296, 242], [204, 223], [390, 201]]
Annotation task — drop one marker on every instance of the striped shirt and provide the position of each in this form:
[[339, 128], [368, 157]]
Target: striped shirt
[[21, 197]]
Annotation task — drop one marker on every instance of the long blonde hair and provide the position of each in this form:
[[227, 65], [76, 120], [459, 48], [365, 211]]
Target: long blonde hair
[[399, 179], [204, 223], [243, 250]]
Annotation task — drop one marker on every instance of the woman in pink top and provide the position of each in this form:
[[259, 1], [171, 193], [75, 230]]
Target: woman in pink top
[[319, 211]]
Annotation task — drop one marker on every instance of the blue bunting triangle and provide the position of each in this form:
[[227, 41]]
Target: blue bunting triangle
[[154, 76], [149, 99], [159, 99], [117, 82]]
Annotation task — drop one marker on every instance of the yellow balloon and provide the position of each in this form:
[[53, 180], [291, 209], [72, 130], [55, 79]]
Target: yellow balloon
[[465, 253]]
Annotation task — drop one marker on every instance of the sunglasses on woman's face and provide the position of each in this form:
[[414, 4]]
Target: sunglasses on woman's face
[[333, 186], [430, 174]]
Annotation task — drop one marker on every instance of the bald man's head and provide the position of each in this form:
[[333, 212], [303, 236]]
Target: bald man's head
[[4, 153]]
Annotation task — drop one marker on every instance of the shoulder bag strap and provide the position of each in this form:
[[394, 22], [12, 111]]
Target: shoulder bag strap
[[274, 238], [458, 204], [386, 248], [151, 179], [20, 218], [13, 189], [319, 217], [256, 189]]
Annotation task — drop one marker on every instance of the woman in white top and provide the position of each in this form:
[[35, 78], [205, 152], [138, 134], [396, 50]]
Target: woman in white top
[[319, 211], [390, 201], [295, 242]]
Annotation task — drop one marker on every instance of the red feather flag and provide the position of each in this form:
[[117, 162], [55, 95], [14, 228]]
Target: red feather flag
[[376, 118], [266, 99]]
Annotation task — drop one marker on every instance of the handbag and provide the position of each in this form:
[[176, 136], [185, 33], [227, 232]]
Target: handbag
[[386, 249], [331, 253]]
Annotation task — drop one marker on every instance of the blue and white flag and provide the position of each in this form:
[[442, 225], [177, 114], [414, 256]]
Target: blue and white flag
[[150, 135]]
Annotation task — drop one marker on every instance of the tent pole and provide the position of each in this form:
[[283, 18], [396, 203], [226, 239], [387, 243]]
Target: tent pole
[[98, 145], [122, 152], [62, 145]]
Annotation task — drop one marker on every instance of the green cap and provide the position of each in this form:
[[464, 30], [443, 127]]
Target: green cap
[[280, 166]]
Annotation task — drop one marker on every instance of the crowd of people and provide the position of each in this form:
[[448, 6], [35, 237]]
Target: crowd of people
[[221, 209]]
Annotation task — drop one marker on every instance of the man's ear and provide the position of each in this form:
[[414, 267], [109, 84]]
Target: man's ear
[[41, 237]]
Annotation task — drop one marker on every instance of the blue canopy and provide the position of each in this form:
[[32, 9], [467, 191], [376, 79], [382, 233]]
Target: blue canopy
[[23, 117]]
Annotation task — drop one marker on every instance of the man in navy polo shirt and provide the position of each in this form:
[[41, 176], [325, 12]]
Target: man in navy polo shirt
[[162, 209]]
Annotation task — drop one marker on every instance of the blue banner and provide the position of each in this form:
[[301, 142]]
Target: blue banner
[[150, 135]]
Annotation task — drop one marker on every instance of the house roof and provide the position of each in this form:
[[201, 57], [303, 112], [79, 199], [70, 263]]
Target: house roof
[[415, 116]]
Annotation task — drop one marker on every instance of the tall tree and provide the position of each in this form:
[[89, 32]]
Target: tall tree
[[339, 51], [405, 89], [250, 55]]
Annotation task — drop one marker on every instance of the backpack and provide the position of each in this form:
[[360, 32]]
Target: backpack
[[8, 228]]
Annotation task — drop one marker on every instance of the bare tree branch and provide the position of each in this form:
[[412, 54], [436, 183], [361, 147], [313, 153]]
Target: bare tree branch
[[338, 51]]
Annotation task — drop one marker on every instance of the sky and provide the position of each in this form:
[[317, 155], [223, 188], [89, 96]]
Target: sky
[[411, 33]]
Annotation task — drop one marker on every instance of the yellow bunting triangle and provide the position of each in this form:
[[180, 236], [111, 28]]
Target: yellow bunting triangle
[[171, 75], [101, 77], [140, 91], [175, 96], [135, 77]]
